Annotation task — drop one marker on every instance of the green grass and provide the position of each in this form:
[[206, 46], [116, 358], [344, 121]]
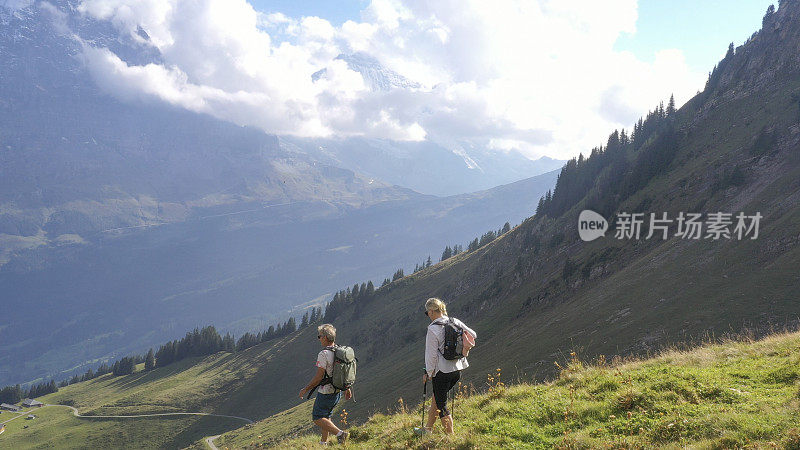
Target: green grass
[[56, 427], [192, 385], [210, 385], [271, 431], [736, 394]]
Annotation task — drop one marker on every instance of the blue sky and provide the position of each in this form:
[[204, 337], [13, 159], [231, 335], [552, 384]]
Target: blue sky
[[701, 29], [334, 11]]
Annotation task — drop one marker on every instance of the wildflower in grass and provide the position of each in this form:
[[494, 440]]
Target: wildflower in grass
[[496, 386]]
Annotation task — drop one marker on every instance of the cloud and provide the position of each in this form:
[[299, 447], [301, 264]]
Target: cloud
[[538, 76]]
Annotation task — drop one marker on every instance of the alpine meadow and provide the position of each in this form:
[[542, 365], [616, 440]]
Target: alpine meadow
[[165, 271]]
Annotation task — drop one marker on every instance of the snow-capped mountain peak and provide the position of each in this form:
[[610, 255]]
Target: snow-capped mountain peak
[[375, 75]]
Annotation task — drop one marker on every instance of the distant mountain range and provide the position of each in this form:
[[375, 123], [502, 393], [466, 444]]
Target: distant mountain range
[[427, 167], [122, 224]]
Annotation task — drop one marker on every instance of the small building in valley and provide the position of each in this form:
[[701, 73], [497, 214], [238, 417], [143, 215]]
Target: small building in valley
[[31, 403], [10, 407]]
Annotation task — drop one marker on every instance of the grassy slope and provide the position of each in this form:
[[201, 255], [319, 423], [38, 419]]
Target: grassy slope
[[292, 423], [192, 385], [56, 427], [728, 395]]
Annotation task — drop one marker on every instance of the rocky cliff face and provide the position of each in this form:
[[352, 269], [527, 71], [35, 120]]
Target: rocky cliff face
[[769, 53]]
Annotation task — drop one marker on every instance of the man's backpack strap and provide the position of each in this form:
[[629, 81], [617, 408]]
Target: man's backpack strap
[[327, 379]]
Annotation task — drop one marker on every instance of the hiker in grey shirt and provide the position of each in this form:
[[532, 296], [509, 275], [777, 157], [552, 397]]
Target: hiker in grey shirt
[[327, 396], [444, 373]]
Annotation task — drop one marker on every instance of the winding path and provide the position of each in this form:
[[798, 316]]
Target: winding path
[[209, 440], [77, 414]]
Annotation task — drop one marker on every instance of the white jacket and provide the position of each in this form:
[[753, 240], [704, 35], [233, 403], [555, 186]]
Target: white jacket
[[434, 346]]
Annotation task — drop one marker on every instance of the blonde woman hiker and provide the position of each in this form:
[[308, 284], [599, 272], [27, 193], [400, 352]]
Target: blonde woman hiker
[[327, 396], [447, 345]]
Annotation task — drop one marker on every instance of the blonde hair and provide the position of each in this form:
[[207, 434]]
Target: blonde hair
[[434, 304], [327, 331]]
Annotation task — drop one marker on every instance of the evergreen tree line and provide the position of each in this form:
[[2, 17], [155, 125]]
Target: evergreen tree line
[[450, 252], [342, 299], [425, 264], [199, 342], [126, 365], [273, 332], [15, 394], [610, 171], [487, 237]]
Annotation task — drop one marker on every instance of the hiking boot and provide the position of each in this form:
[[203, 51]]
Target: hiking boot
[[421, 431], [343, 438]]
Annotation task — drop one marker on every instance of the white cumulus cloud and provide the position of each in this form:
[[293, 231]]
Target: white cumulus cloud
[[538, 76]]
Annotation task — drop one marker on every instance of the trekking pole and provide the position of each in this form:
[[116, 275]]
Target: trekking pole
[[454, 399], [424, 396]]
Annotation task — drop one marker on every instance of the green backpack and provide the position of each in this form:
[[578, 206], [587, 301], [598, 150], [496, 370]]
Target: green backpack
[[343, 374]]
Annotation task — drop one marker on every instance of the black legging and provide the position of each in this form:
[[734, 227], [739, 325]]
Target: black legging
[[442, 383]]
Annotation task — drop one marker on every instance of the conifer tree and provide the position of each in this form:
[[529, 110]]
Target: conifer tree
[[228, 343], [150, 360], [671, 106], [370, 289], [447, 253]]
